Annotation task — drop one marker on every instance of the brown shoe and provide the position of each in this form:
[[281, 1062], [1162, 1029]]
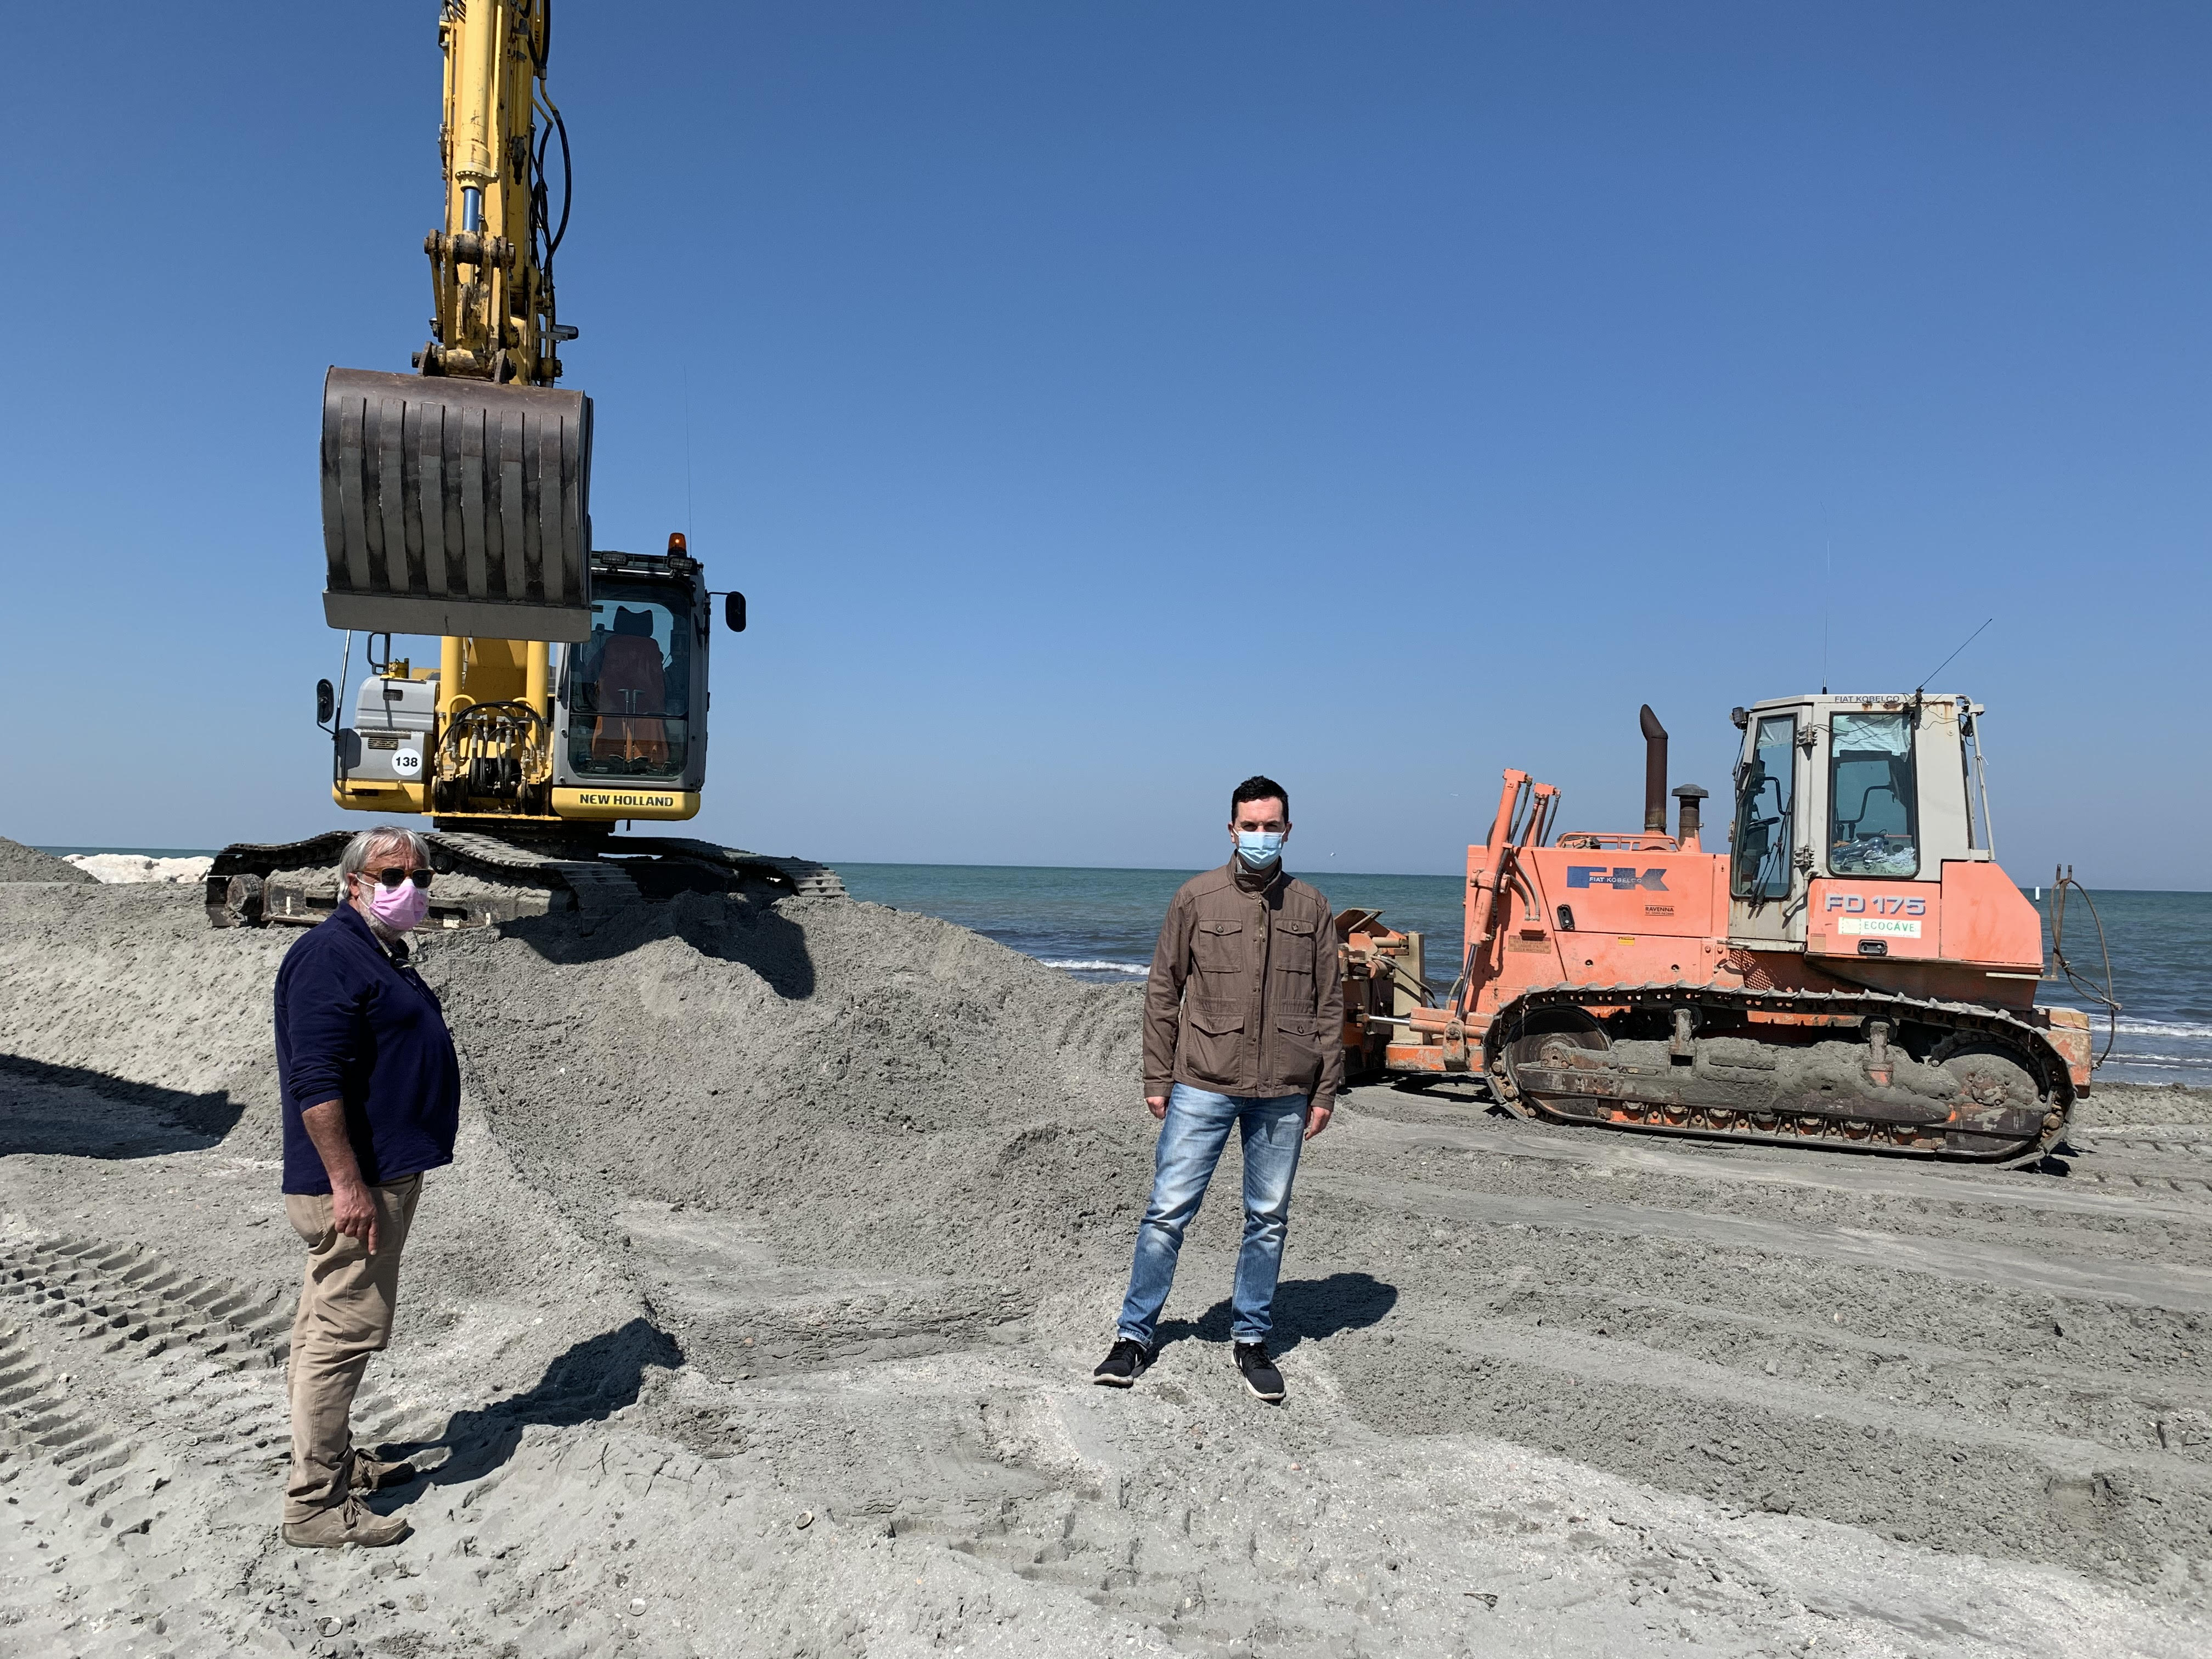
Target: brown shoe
[[346, 1524], [374, 1475]]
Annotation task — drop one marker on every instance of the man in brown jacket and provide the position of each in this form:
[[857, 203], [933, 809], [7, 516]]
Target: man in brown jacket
[[1243, 1029]]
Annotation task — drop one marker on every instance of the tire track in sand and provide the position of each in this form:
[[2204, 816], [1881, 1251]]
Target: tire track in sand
[[2005, 1363], [138, 1396]]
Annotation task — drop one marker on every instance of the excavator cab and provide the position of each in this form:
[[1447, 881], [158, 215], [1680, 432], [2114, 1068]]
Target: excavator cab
[[607, 727], [633, 694]]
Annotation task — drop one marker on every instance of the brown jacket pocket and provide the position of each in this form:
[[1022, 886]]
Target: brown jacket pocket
[[1213, 1043], [1294, 946], [1296, 1062], [1217, 947]]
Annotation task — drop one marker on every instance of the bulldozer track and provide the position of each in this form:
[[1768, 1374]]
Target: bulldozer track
[[2167, 1157], [130, 1389], [79, 1316], [124, 1302], [121, 1294], [1910, 1126]]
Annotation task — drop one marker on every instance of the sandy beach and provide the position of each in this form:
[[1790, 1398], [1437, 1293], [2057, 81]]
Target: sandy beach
[[757, 1312]]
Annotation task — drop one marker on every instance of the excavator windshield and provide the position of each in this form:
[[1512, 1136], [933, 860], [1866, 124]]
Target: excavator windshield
[[628, 691]]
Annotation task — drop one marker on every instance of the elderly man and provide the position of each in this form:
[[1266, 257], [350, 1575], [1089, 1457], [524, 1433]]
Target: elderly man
[[372, 1096], [1243, 1029]]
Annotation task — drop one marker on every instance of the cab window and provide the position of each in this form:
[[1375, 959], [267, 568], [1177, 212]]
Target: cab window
[[1764, 805], [1873, 828], [630, 685]]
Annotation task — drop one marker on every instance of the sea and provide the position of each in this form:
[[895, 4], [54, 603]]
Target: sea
[[1099, 925]]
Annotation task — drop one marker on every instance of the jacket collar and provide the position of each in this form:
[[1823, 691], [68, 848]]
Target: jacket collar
[[1257, 885]]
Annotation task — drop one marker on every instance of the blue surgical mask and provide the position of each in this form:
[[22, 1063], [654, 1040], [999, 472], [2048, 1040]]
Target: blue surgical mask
[[1259, 847]]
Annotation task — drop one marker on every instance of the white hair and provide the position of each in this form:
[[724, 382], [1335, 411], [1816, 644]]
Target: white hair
[[384, 837]]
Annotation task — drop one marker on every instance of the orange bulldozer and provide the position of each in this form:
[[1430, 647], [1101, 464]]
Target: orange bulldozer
[[1855, 972]]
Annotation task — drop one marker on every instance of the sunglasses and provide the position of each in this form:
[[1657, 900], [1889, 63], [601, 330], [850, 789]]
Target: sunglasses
[[393, 878]]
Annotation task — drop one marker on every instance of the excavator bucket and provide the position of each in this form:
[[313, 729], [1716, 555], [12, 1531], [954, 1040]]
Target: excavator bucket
[[456, 507]]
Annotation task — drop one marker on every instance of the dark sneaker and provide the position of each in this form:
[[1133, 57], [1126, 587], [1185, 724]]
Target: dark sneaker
[[1124, 1365], [1259, 1373], [373, 1473]]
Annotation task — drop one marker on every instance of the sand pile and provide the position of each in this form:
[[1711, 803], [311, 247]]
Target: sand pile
[[755, 1314], [864, 1077], [22, 863]]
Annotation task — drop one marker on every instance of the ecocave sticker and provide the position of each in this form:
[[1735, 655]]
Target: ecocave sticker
[[1885, 926]]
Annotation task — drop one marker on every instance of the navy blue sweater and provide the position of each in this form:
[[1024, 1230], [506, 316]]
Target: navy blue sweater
[[357, 1025]]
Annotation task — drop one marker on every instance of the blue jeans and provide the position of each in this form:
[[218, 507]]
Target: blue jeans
[[1191, 1140]]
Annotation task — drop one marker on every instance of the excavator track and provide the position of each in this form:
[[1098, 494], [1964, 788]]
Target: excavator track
[[1850, 1071], [803, 876], [493, 879]]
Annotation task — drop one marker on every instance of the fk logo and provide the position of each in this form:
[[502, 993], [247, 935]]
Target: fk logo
[[1621, 880]]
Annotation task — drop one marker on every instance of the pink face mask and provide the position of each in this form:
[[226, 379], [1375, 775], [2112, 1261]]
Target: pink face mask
[[398, 907]]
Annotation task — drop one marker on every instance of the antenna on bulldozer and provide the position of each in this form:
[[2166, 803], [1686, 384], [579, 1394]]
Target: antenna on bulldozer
[[1946, 663]]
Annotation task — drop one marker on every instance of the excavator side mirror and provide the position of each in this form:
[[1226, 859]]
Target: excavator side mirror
[[733, 611], [327, 701]]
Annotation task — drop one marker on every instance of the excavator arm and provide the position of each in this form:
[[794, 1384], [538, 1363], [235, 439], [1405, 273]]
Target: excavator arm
[[457, 501], [491, 267]]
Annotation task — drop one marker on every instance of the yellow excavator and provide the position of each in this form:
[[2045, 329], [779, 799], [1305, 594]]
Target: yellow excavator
[[570, 692]]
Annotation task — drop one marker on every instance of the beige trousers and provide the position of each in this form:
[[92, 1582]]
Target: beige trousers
[[345, 1316]]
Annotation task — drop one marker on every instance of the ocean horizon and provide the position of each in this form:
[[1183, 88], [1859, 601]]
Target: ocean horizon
[[1100, 924]]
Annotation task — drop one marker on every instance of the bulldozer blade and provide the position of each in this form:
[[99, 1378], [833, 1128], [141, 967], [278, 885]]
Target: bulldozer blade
[[456, 507]]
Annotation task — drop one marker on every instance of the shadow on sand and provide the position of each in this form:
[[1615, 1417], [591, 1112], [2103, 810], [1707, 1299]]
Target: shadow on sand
[[587, 1384], [76, 1113], [1306, 1310]]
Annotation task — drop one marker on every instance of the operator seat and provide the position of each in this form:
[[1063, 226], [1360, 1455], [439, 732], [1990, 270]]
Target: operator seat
[[633, 694]]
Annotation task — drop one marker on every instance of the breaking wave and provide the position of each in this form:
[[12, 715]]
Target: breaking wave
[[1086, 966], [2165, 1028]]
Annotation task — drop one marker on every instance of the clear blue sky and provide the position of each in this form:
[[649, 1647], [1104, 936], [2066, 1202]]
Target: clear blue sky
[[1099, 403]]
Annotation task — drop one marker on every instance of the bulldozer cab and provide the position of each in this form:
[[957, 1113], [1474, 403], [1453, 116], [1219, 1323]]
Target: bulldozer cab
[[1868, 788]]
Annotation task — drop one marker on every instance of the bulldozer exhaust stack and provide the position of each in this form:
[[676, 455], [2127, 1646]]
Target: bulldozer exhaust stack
[[1655, 772]]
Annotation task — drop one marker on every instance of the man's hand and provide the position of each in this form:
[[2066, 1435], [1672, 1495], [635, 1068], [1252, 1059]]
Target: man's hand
[[1157, 1106], [352, 1207], [1317, 1118], [353, 1212]]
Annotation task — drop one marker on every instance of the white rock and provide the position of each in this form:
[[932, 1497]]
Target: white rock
[[120, 867]]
